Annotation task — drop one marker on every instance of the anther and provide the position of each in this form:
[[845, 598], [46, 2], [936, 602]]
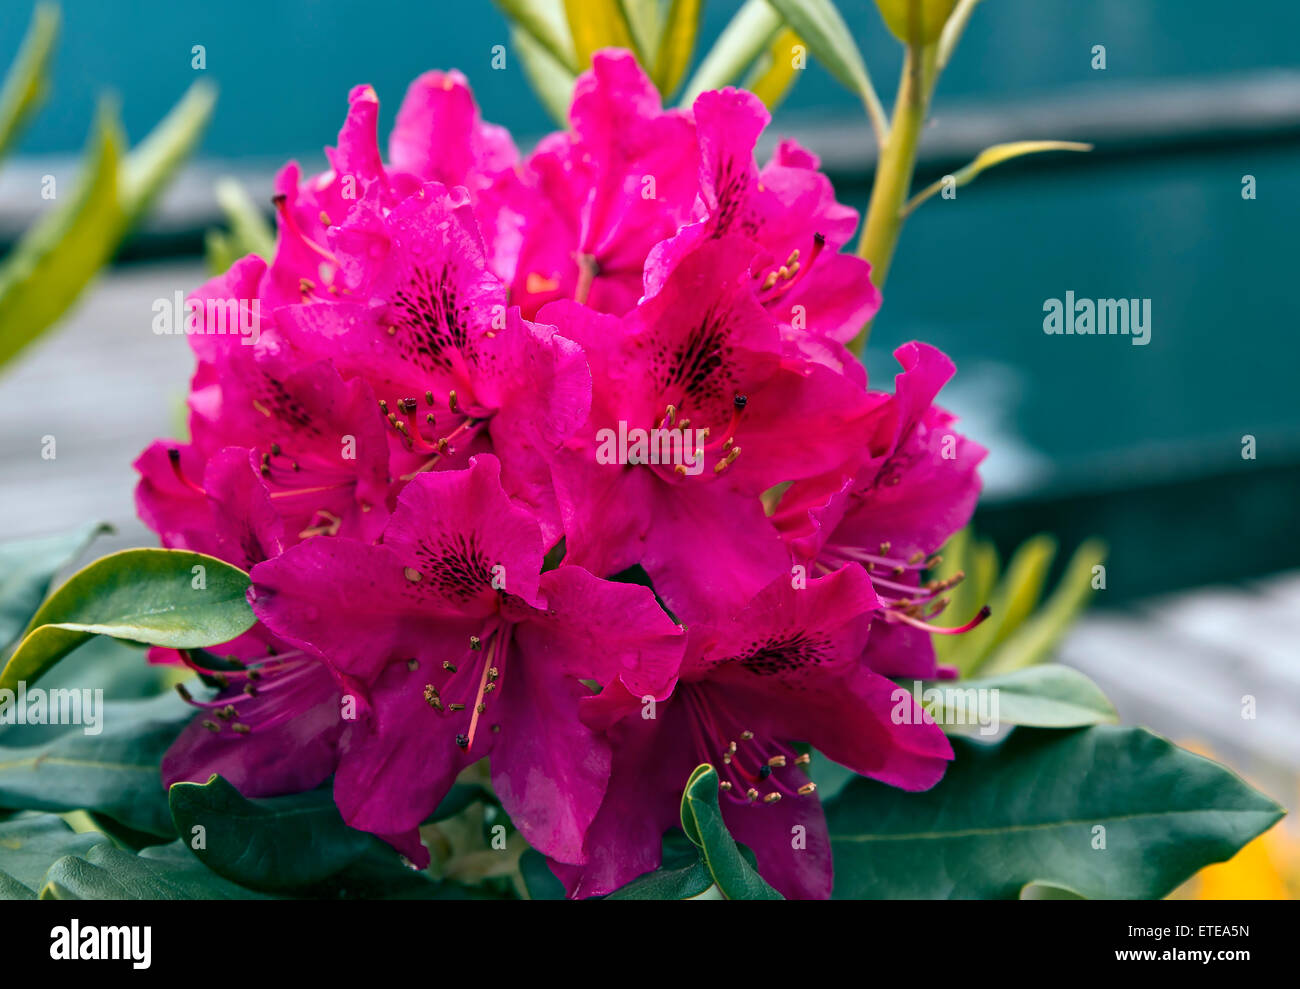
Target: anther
[[475, 642], [412, 664], [806, 789], [240, 729], [771, 798], [413, 575], [449, 666]]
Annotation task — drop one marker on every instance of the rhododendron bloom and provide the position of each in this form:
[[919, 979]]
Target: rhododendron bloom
[[460, 647], [411, 460], [914, 486], [784, 668]]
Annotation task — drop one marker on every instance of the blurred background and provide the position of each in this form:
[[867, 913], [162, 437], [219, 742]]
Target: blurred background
[[1090, 436]]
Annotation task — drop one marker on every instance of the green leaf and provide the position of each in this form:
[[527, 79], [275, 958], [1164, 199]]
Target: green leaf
[[1013, 600], [1035, 639], [774, 74], [28, 567], [46, 271], [56, 259], [977, 560], [115, 773], [1051, 696], [596, 24], [1028, 811], [748, 34], [702, 821], [27, 81], [29, 843], [677, 45], [990, 158], [544, 24], [829, 40], [281, 843], [164, 872], [551, 81], [144, 595], [682, 883], [539, 880], [155, 159], [916, 22], [250, 233]]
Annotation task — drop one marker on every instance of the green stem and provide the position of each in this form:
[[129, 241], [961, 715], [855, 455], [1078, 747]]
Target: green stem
[[894, 170]]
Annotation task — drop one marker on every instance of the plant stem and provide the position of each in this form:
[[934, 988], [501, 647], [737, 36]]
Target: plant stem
[[894, 169]]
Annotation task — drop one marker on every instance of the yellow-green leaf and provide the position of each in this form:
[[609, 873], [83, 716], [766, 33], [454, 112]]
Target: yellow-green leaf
[[27, 80], [990, 158], [542, 21], [597, 24], [57, 258], [677, 44], [775, 73], [551, 81], [754, 27], [1035, 639]]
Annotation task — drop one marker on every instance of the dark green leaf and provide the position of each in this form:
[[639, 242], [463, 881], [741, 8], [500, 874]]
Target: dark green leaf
[[275, 844], [702, 821], [29, 843], [539, 880], [165, 872], [114, 773], [1050, 696], [1028, 811]]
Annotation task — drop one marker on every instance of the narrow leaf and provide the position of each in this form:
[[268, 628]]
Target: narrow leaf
[[27, 81], [597, 24], [677, 44], [746, 36], [775, 73], [990, 158], [543, 23], [916, 22], [551, 81]]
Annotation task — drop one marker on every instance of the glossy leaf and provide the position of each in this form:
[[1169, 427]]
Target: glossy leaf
[[677, 44], [746, 36], [143, 595], [916, 22], [115, 772], [279, 843], [1037, 808], [702, 821], [27, 568], [27, 81], [1050, 696]]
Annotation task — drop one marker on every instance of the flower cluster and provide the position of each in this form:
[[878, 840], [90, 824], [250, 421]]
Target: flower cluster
[[504, 462]]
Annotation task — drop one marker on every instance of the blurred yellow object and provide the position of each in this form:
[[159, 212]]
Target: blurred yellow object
[[1266, 869]]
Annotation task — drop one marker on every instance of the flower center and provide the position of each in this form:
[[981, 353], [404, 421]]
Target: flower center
[[469, 684], [903, 596], [750, 770]]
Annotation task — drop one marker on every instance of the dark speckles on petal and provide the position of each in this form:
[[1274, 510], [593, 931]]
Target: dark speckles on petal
[[784, 654]]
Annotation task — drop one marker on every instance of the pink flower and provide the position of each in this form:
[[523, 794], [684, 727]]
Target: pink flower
[[915, 485], [459, 647], [701, 355], [784, 668]]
